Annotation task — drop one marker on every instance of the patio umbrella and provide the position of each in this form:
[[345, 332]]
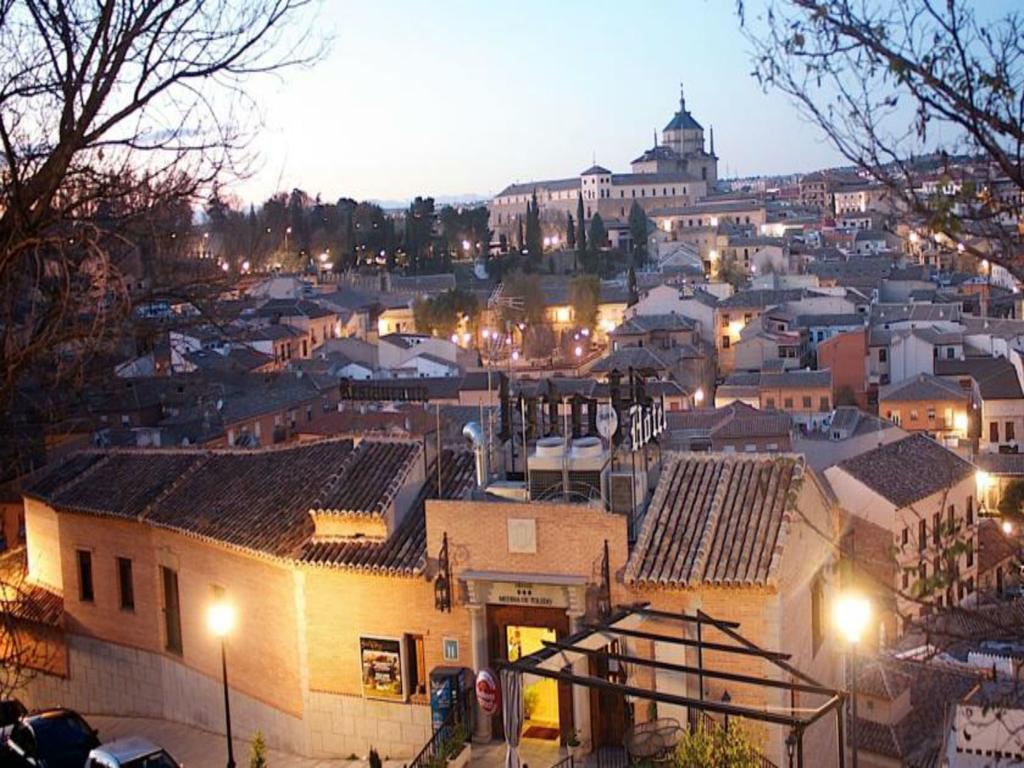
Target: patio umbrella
[[512, 713]]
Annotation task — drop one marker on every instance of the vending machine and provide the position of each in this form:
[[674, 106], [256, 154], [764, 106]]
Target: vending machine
[[449, 690]]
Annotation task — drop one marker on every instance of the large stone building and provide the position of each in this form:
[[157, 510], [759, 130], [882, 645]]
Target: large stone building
[[675, 173], [353, 583]]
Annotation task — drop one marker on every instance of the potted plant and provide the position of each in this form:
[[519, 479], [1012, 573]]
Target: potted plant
[[457, 749], [572, 741]]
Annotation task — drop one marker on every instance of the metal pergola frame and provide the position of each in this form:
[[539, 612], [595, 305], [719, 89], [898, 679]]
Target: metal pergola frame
[[539, 663]]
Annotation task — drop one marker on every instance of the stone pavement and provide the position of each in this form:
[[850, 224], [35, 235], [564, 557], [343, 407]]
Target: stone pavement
[[197, 748]]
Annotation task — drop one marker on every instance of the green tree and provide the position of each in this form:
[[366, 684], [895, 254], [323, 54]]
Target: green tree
[[526, 290], [1011, 503], [634, 294], [597, 237], [534, 240], [581, 227], [731, 271], [258, 751], [638, 232], [716, 747], [570, 232], [440, 314], [585, 297]]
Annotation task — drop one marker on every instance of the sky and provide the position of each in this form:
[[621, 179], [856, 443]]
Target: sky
[[460, 97]]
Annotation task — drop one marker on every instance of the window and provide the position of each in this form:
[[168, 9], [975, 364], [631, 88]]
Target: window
[[823, 404], [993, 431], [905, 538], [807, 401], [770, 402], [725, 342], [125, 584], [906, 579], [85, 589], [950, 353], [172, 610], [936, 527], [951, 519], [817, 613], [787, 402], [970, 554], [969, 516], [883, 355], [417, 664], [913, 414], [1009, 432], [931, 414], [922, 534]]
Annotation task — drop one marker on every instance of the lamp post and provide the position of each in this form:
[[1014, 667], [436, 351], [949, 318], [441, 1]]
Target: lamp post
[[221, 620], [852, 612]]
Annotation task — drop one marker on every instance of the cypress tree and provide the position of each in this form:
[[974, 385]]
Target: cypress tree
[[581, 228], [570, 232], [634, 294]]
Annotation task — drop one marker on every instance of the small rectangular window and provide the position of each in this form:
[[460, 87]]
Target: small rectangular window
[[126, 585], [85, 587], [1010, 436], [922, 534], [807, 402], [172, 610]]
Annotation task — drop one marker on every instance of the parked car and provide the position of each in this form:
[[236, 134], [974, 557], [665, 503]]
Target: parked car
[[131, 752], [52, 738]]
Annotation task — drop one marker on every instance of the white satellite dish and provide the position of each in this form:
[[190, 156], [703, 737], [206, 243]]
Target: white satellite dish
[[607, 420]]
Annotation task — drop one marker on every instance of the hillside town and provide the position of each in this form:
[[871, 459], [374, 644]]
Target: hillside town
[[593, 472]]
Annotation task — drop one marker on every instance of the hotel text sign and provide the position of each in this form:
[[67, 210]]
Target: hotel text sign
[[646, 422], [526, 593]]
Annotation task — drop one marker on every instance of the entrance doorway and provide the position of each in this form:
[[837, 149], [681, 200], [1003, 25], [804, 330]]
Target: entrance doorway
[[514, 632], [540, 698]]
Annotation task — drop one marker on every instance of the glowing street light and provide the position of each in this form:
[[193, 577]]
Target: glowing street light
[[466, 245], [220, 618], [1007, 527], [698, 396], [851, 614], [579, 351], [323, 257]]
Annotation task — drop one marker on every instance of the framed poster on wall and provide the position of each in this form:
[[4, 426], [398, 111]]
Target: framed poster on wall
[[383, 668]]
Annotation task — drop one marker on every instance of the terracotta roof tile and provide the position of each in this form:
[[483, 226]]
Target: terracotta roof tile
[[907, 470], [404, 553], [715, 519]]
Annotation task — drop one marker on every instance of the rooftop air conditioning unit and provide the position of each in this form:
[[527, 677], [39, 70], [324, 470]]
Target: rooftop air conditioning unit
[[625, 495]]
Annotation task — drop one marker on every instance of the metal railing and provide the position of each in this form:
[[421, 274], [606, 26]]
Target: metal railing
[[565, 762], [434, 752]]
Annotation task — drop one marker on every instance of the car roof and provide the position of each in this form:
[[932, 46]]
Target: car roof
[[127, 748]]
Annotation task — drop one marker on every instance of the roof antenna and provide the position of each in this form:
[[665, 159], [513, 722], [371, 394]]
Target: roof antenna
[[655, 138], [682, 98]]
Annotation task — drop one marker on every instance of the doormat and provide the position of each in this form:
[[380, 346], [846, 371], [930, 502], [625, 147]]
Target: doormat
[[540, 732]]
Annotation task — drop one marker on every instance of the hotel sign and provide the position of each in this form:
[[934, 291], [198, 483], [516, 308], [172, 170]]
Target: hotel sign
[[646, 422], [526, 593], [383, 668]]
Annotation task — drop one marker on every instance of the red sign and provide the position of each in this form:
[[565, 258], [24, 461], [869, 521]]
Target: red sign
[[487, 692]]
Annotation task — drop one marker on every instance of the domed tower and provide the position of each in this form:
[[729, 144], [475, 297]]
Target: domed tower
[[683, 134]]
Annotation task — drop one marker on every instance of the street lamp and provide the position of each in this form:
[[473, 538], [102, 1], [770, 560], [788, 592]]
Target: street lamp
[[221, 620], [851, 614]]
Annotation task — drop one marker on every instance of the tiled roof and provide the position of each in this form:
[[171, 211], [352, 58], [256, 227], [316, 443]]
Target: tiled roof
[[715, 519], [731, 421], [996, 376], [908, 470], [531, 186], [21, 598], [404, 553], [383, 468], [1000, 463], [258, 500], [118, 483], [916, 739], [637, 358], [924, 386], [639, 324], [761, 298], [797, 379], [683, 121], [596, 170]]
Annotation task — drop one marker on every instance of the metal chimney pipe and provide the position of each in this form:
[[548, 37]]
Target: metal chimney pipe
[[475, 434]]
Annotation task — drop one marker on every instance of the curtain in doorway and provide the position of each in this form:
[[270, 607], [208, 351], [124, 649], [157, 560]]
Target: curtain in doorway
[[512, 713]]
